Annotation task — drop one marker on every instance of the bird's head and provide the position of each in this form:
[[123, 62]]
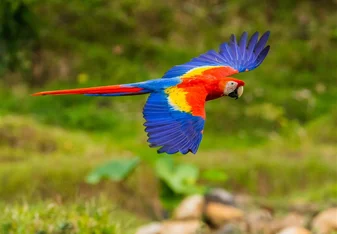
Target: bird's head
[[233, 87]]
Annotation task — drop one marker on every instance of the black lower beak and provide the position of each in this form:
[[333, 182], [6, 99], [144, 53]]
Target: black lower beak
[[234, 94]]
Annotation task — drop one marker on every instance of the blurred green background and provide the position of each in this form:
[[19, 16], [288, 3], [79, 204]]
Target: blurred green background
[[277, 143]]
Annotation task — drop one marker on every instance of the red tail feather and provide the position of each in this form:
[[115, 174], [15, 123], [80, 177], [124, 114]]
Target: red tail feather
[[113, 89]]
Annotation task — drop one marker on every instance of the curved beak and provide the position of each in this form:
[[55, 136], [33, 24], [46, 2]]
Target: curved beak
[[236, 93], [240, 91]]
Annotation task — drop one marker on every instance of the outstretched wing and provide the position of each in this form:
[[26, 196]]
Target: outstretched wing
[[233, 57], [175, 119]]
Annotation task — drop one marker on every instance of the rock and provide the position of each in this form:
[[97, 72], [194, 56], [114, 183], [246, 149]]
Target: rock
[[258, 221], [231, 228], [190, 208], [220, 196], [152, 228], [291, 220], [303, 207], [245, 202], [219, 214], [294, 230], [182, 227], [326, 221]]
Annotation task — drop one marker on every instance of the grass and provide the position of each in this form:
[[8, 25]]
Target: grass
[[39, 154], [93, 216]]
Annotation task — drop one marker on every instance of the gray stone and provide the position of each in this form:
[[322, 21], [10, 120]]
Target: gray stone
[[190, 208], [231, 228], [291, 220], [326, 221], [258, 221], [294, 230], [220, 196], [152, 228], [219, 214], [182, 227]]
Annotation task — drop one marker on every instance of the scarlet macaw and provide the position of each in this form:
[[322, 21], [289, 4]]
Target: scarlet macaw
[[175, 110]]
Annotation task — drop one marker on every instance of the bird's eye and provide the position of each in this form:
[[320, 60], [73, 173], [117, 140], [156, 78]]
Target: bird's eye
[[231, 83]]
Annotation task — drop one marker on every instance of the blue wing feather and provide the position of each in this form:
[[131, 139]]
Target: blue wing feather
[[234, 48], [261, 44], [251, 45], [242, 44], [171, 130], [239, 56]]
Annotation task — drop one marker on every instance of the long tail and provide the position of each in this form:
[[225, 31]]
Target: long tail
[[111, 90]]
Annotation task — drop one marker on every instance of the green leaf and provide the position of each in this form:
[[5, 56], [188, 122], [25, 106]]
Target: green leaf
[[164, 167], [214, 175], [186, 175], [181, 178], [115, 170]]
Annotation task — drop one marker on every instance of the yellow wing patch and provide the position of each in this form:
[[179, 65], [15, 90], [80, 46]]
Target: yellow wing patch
[[197, 71], [177, 98]]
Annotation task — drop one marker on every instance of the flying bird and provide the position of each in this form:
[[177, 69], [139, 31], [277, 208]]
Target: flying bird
[[175, 109]]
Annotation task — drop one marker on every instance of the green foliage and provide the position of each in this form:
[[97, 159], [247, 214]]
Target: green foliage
[[93, 216], [115, 170], [181, 178], [176, 181], [328, 193], [18, 33], [214, 175]]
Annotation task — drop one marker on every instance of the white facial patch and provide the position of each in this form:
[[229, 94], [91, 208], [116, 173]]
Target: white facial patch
[[230, 87]]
